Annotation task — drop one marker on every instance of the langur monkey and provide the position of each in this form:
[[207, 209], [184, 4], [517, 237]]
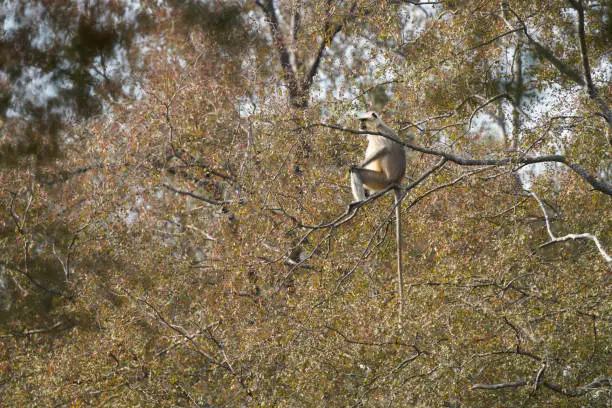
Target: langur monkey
[[385, 160], [384, 165]]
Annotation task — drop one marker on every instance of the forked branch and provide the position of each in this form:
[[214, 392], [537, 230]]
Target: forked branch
[[554, 239]]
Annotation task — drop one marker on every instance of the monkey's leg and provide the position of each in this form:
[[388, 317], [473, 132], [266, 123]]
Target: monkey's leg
[[372, 180], [373, 157]]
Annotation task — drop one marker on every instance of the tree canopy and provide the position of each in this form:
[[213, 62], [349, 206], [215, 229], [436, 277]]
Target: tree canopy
[[177, 226]]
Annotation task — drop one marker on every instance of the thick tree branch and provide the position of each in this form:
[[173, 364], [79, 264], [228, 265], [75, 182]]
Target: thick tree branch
[[577, 4], [594, 181], [325, 42], [582, 80], [289, 70], [546, 53], [298, 88]]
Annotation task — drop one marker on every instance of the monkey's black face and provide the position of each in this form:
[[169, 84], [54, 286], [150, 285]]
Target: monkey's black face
[[363, 124]]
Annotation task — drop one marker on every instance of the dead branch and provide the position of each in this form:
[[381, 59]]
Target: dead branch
[[554, 239]]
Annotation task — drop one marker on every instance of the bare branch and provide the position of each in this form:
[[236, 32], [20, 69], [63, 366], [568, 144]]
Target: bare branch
[[26, 333], [34, 281], [421, 3], [599, 383], [372, 343], [497, 37], [328, 37], [554, 239], [514, 384], [196, 196], [451, 183], [539, 375], [190, 338]]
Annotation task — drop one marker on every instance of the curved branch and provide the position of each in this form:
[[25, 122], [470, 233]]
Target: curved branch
[[325, 42], [554, 239], [34, 281]]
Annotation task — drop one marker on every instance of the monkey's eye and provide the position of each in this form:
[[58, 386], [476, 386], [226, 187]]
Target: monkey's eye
[[374, 115]]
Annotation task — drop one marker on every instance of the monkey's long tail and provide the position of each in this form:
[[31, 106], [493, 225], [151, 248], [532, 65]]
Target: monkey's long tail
[[398, 241]]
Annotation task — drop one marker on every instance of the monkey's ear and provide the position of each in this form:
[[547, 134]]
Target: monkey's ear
[[374, 115]]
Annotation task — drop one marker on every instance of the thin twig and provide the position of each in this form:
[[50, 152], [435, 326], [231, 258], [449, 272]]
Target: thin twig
[[196, 196]]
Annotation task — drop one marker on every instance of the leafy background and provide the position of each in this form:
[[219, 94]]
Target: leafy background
[[171, 198]]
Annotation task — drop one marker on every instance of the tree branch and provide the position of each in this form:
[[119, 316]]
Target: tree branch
[[599, 383], [190, 338], [284, 54], [597, 184], [196, 196], [565, 69], [577, 5], [547, 54], [325, 42], [33, 280], [554, 239], [576, 392], [514, 384]]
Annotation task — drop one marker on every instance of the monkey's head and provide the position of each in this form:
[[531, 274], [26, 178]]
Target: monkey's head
[[368, 120]]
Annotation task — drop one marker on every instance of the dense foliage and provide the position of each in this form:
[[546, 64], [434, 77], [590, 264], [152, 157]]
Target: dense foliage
[[189, 242]]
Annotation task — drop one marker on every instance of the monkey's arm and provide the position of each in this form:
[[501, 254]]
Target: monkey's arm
[[377, 155]]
